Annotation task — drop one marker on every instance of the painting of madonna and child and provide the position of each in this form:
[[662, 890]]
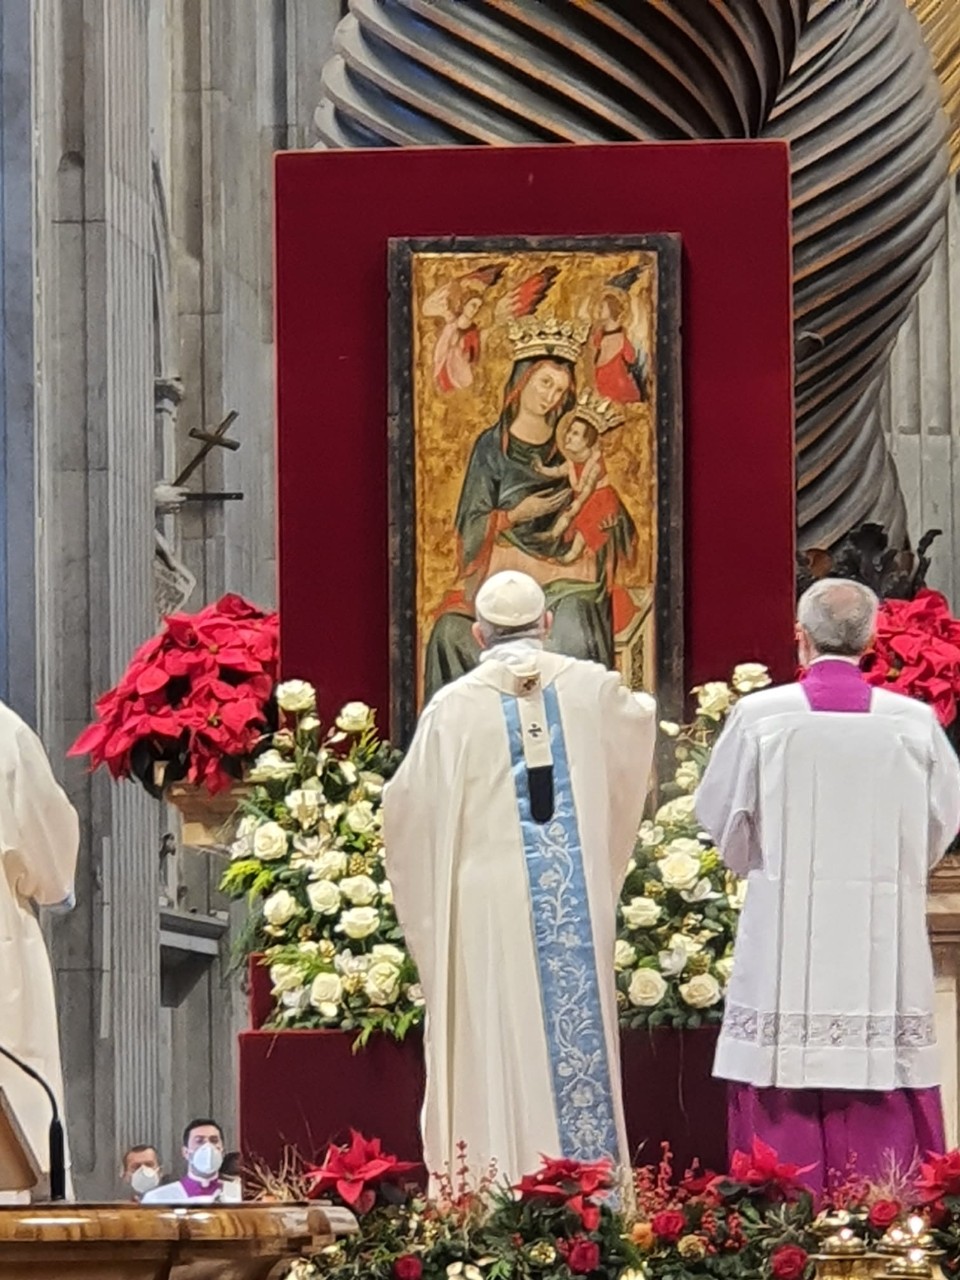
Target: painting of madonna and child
[[535, 425]]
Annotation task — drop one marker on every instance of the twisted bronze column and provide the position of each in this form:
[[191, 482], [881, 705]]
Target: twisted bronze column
[[849, 83]]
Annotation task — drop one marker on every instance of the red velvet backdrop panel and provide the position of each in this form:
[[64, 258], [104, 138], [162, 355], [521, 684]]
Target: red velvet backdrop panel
[[335, 212]]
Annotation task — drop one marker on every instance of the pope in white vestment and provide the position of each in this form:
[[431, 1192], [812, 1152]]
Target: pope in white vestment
[[507, 832], [835, 799], [39, 838]]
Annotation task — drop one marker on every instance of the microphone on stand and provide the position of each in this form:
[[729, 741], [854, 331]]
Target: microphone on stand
[[58, 1164]]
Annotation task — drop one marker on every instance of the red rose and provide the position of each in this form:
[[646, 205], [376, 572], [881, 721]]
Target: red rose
[[884, 1214], [584, 1257], [408, 1267], [669, 1225], [789, 1262]]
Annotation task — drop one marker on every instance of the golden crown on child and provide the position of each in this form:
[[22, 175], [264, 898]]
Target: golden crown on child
[[600, 412], [532, 336]]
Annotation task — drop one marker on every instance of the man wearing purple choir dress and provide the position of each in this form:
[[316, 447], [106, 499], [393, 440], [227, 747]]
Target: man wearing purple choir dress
[[202, 1183], [835, 799]]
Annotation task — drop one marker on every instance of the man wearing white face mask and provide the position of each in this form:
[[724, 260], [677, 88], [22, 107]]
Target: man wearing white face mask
[[203, 1152], [140, 1169]]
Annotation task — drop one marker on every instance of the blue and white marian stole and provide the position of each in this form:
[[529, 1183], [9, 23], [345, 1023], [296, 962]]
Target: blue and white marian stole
[[563, 936]]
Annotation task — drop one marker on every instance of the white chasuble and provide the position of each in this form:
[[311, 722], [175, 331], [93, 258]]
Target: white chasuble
[[39, 836], [836, 819], [511, 920]]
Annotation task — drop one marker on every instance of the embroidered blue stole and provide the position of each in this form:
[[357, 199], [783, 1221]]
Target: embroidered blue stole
[[566, 957]]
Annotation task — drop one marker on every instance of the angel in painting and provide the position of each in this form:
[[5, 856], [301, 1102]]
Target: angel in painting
[[618, 341], [458, 303]]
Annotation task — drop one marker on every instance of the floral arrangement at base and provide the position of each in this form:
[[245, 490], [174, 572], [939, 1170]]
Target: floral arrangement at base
[[561, 1222], [193, 704], [680, 907], [309, 860]]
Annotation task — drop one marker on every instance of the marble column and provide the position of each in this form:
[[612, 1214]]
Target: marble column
[[96, 462]]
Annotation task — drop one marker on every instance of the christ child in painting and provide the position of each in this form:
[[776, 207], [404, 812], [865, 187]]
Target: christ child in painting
[[595, 505]]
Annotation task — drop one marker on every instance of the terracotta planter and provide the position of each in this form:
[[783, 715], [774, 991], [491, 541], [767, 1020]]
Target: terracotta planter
[[206, 821]]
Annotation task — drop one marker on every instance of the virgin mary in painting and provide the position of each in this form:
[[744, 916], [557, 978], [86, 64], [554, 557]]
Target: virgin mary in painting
[[507, 514]]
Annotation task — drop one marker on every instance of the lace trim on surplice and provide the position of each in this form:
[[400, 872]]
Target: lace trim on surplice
[[829, 1030]]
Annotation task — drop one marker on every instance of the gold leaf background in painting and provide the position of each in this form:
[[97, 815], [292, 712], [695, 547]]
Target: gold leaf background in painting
[[447, 424]]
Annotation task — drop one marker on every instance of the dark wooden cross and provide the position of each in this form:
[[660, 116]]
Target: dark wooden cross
[[210, 440]]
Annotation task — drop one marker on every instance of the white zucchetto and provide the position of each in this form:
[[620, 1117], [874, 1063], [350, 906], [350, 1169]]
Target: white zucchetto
[[510, 599]]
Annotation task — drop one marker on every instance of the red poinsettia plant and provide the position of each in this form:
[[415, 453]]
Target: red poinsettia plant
[[196, 699], [917, 652], [359, 1173], [573, 1184]]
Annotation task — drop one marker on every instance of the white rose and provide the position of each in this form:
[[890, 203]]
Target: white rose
[[296, 695], [651, 835], [361, 817], [354, 717], [373, 784], [330, 865], [349, 771], [304, 806], [271, 767], [347, 963], [359, 922], [415, 993], [309, 724], [748, 676], [624, 955], [646, 989], [713, 699], [685, 844], [247, 825], [669, 728], [724, 968], [701, 992], [673, 962], [280, 907], [361, 890], [324, 897], [640, 913], [294, 1001], [326, 992], [683, 942], [687, 776], [386, 892], [382, 983], [677, 813], [702, 891], [285, 977], [679, 870], [270, 842], [387, 951], [242, 847]]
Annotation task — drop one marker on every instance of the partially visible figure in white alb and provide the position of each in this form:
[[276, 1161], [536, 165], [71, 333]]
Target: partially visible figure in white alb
[[39, 841], [507, 830]]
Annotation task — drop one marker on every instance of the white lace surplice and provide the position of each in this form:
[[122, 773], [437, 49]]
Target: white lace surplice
[[837, 818]]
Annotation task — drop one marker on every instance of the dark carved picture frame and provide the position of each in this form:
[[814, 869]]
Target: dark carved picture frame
[[668, 432]]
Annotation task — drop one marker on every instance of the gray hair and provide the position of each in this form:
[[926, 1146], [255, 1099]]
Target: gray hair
[[839, 616], [491, 634]]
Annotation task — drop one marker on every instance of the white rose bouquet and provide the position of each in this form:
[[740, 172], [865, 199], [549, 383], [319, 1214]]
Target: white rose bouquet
[[309, 859], [680, 907]]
